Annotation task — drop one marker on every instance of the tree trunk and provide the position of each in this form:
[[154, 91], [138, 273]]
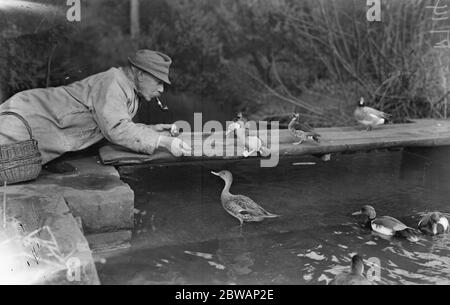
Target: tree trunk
[[134, 18]]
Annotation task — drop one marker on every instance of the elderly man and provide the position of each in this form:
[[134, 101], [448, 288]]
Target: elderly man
[[73, 117]]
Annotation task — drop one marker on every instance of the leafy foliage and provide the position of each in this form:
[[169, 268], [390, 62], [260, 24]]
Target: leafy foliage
[[266, 57]]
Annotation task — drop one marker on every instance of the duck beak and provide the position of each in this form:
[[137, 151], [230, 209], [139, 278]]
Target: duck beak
[[214, 173], [357, 213]]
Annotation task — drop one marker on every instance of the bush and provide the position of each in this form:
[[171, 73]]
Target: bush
[[265, 57]]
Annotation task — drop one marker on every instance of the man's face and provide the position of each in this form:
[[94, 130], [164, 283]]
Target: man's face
[[149, 86]]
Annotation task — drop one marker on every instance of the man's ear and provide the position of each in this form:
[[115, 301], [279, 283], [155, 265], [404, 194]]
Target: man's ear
[[137, 73]]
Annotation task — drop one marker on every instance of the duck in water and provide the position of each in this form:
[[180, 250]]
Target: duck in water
[[240, 206], [386, 225], [433, 224], [355, 276]]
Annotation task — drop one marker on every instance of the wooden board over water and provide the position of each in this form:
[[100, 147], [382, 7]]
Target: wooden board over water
[[423, 133]]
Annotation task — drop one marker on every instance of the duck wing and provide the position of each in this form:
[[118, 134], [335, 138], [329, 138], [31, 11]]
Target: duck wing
[[301, 126], [390, 223], [298, 129], [247, 204], [234, 208], [425, 221], [369, 111]]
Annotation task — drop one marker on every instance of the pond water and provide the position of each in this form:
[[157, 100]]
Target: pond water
[[183, 235]]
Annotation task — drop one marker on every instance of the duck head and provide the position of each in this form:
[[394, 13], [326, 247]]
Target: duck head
[[434, 219], [295, 116], [225, 175], [241, 120], [357, 265], [240, 116], [361, 102], [367, 210]]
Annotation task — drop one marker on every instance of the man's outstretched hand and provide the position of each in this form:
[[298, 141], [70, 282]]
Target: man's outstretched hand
[[176, 146]]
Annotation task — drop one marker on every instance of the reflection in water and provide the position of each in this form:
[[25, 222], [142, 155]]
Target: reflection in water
[[185, 237]]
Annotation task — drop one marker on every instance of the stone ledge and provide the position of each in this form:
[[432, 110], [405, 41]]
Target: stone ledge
[[110, 241], [33, 210], [94, 193]]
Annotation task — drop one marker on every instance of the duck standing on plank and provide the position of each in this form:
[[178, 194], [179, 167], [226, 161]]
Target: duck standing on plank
[[240, 206], [251, 143], [300, 131], [433, 224], [355, 276], [368, 116], [386, 225]]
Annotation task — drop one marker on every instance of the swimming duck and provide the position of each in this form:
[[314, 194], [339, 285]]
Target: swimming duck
[[240, 206], [386, 225], [368, 116], [251, 143], [355, 276], [301, 131], [433, 224]]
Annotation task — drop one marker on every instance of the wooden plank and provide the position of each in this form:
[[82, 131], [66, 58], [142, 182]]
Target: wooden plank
[[336, 139]]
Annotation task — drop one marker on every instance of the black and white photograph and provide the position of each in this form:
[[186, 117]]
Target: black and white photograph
[[224, 149]]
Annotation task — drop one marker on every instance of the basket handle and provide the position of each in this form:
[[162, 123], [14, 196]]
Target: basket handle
[[20, 118]]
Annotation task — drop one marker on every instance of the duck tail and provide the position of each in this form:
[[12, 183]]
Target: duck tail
[[408, 233], [314, 136], [270, 215], [387, 117]]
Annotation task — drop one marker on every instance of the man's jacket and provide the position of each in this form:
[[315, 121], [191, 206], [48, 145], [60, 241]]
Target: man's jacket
[[73, 117]]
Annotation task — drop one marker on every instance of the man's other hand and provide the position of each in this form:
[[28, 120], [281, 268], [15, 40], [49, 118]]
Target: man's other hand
[[176, 146], [172, 128]]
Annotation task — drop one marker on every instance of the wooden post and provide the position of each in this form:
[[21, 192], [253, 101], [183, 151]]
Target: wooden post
[[134, 18]]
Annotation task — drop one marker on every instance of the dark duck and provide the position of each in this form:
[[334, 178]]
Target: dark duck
[[355, 276], [386, 225], [433, 224]]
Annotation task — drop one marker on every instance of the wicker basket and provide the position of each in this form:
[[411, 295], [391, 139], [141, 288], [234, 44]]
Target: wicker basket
[[20, 161]]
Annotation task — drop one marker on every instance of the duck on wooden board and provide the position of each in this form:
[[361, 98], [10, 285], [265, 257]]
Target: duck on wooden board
[[252, 143], [369, 116], [300, 131]]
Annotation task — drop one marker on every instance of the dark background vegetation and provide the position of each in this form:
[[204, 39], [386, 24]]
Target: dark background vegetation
[[264, 57]]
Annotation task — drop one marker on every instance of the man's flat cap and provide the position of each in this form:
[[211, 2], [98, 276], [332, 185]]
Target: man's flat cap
[[153, 62]]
